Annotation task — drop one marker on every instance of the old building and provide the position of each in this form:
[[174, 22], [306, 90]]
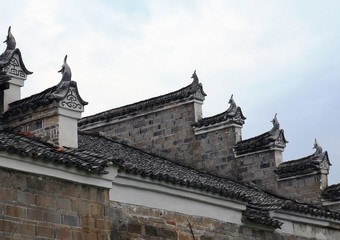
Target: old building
[[151, 170]]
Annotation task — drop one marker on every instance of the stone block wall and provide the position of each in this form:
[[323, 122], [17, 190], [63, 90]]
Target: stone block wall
[[259, 168], [137, 222], [301, 188], [38, 207], [214, 150], [169, 132], [42, 123]]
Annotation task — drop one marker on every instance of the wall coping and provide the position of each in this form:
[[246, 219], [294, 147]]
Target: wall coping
[[29, 165]]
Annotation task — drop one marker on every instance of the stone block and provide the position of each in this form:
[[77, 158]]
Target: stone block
[[52, 217], [7, 194], [25, 197], [43, 231], [134, 228], [35, 214], [96, 210], [44, 201], [70, 220], [14, 211]]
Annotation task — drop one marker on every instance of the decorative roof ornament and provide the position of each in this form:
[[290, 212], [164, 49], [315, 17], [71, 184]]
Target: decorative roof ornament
[[65, 71], [194, 76], [232, 103], [10, 40], [276, 124], [317, 147]]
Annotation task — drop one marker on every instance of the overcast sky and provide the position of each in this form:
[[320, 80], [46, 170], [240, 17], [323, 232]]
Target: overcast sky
[[274, 56]]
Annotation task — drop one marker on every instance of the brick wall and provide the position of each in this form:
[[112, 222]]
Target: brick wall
[[259, 168], [42, 123], [169, 133], [304, 188], [137, 222], [37, 207]]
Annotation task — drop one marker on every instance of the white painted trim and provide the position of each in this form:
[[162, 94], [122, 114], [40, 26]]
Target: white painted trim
[[136, 190], [98, 124], [306, 225], [261, 151], [297, 176], [41, 167], [215, 127]]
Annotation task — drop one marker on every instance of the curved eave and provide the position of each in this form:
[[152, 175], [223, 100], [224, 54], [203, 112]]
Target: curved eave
[[8, 59], [225, 116]]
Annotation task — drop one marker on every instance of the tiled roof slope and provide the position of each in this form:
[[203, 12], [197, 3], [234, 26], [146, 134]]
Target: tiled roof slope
[[194, 90], [232, 115], [269, 140], [134, 161], [332, 193], [82, 159], [303, 166], [43, 98]]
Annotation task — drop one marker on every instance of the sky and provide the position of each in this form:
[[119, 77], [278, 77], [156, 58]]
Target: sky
[[275, 57]]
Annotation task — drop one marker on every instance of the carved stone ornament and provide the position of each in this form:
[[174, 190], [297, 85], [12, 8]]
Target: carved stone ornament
[[71, 101], [14, 68]]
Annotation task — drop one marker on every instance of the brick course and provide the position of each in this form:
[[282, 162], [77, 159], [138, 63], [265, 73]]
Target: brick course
[[34, 207]]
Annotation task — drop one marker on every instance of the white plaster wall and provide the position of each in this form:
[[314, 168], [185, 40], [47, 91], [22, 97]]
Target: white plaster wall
[[155, 195]]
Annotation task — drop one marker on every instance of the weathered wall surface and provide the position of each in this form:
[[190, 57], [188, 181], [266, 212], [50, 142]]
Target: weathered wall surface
[[37, 207], [136, 222], [169, 132]]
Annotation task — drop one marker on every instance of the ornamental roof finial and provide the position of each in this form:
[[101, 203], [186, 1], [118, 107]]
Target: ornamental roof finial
[[65, 71], [317, 147], [194, 76], [10, 40], [276, 124]]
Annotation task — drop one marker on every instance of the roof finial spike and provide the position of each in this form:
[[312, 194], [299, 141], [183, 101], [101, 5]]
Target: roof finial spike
[[10, 40], [232, 103], [65, 71], [194, 76], [276, 124], [317, 147]]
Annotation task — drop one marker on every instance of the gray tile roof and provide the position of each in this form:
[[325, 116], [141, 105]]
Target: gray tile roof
[[55, 93], [193, 90], [134, 161], [302, 166], [95, 153], [29, 146], [332, 193]]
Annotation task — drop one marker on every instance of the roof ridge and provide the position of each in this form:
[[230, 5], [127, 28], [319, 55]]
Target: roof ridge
[[182, 93]]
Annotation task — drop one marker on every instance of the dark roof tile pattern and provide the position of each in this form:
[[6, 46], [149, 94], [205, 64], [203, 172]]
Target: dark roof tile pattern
[[194, 90], [55, 93], [260, 216], [134, 161], [29, 146], [6, 57], [332, 193], [265, 141], [303, 166], [232, 115]]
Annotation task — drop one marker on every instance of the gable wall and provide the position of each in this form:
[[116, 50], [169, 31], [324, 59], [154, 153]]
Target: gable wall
[[168, 132]]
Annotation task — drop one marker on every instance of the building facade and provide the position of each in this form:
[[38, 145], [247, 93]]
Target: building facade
[[155, 169]]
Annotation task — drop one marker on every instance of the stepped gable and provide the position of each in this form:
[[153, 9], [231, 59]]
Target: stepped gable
[[331, 193], [50, 95], [134, 161], [26, 145], [273, 139], [192, 91], [302, 166], [232, 115]]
